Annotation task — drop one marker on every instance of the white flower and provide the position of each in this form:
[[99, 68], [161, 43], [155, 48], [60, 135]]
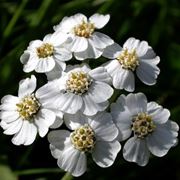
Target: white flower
[[149, 124], [81, 88], [43, 56], [28, 114], [135, 56], [86, 42], [95, 135]]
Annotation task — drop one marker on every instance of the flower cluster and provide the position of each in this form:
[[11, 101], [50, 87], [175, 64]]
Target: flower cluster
[[79, 96]]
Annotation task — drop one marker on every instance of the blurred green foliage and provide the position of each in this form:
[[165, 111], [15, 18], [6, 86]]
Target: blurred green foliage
[[156, 21]]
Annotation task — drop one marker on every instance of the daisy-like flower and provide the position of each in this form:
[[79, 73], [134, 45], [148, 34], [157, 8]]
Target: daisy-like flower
[[28, 114], [43, 56], [135, 56], [85, 41], [149, 123], [81, 88], [91, 135]]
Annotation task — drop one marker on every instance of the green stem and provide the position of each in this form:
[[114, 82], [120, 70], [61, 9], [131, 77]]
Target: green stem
[[41, 13], [37, 171], [14, 19], [67, 176]]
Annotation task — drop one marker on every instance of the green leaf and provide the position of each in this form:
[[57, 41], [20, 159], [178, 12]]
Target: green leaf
[[6, 173]]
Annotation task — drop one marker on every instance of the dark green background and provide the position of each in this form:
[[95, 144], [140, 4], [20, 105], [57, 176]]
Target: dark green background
[[156, 21]]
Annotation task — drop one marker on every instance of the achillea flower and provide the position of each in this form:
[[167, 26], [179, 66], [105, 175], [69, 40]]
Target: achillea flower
[[149, 123], [28, 114], [43, 56], [85, 41], [91, 135], [81, 88], [135, 56]]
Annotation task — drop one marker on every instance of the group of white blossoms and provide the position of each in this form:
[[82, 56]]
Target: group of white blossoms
[[78, 96]]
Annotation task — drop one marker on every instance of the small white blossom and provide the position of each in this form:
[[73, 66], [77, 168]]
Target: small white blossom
[[135, 56], [85, 41], [43, 56], [95, 135], [28, 114], [81, 88], [149, 123]]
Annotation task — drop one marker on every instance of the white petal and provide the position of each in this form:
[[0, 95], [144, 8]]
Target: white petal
[[131, 44], [47, 92], [147, 71], [56, 39], [44, 119], [79, 17], [103, 126], [78, 67], [10, 99], [59, 119], [73, 161], [56, 153], [101, 40], [99, 20], [142, 48], [25, 57], [69, 103], [56, 72], [13, 127], [26, 135], [45, 65], [112, 51], [27, 86], [100, 92], [57, 123], [90, 108], [113, 67], [135, 150], [104, 153], [78, 44], [91, 52], [9, 103], [69, 158], [34, 44], [62, 54], [163, 138], [124, 79], [122, 118], [100, 74], [66, 25], [158, 113], [74, 121], [136, 103], [58, 138], [30, 61], [102, 106], [150, 54], [9, 116]]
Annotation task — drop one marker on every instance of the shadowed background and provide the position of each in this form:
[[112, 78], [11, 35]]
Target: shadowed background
[[156, 21]]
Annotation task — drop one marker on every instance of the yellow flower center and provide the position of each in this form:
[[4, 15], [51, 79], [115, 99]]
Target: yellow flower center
[[28, 107], [85, 29], [78, 82], [128, 60], [143, 125], [83, 138], [45, 50]]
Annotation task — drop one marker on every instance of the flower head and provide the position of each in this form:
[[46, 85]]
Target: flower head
[[44, 56], [85, 41], [81, 88], [28, 114], [135, 56], [90, 135], [149, 124]]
